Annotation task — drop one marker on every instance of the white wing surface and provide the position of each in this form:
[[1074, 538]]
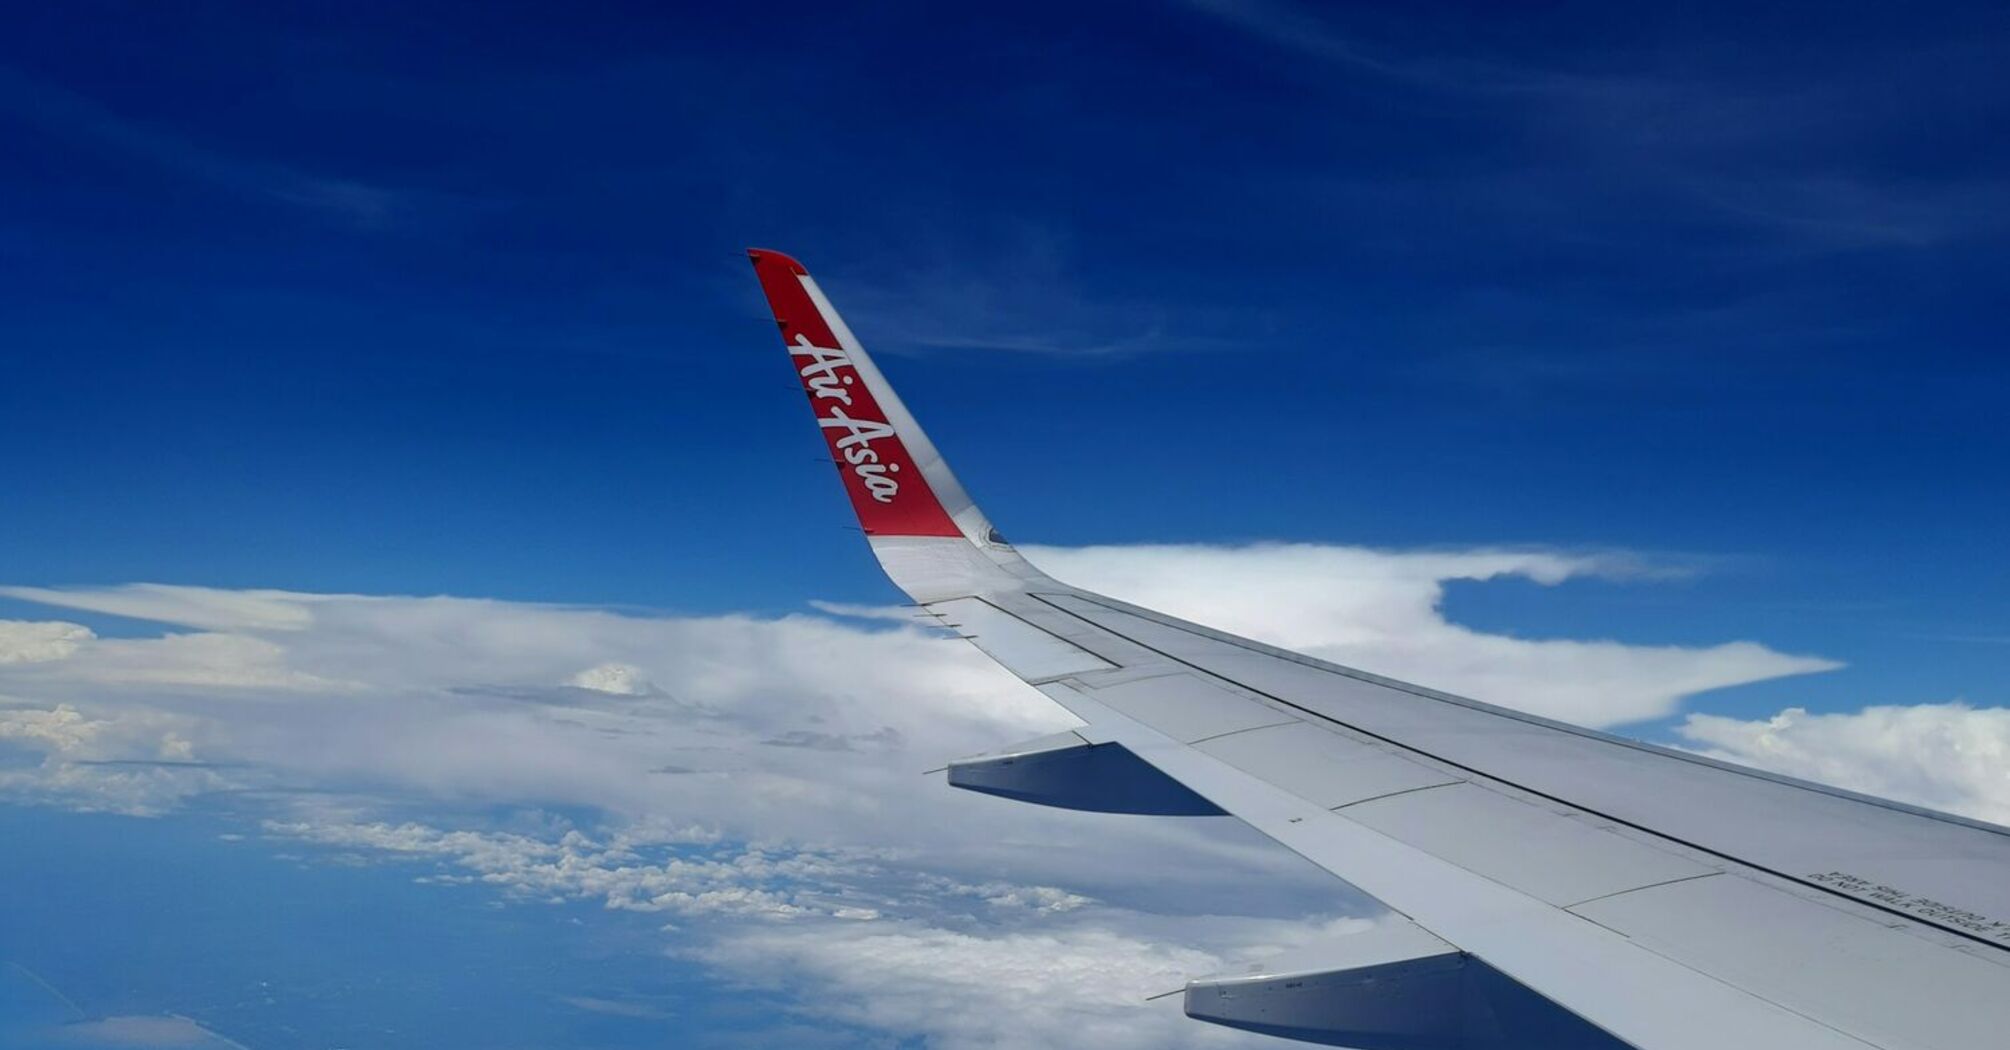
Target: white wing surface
[[1552, 886]]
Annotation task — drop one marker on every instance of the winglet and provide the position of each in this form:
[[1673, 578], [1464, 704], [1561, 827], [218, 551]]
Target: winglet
[[895, 479], [927, 534], [769, 255]]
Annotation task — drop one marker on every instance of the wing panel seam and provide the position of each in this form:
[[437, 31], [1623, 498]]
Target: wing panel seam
[[1258, 648], [1393, 794], [1635, 889], [1795, 880], [1030, 625], [1288, 721]]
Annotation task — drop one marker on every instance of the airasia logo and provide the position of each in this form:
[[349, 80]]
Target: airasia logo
[[825, 383]]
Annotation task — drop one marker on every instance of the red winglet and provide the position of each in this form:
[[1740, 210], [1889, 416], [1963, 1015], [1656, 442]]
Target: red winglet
[[887, 489]]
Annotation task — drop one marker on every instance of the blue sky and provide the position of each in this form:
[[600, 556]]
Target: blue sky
[[434, 299], [315, 302]]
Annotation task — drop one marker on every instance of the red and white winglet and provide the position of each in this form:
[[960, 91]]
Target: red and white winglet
[[903, 492]]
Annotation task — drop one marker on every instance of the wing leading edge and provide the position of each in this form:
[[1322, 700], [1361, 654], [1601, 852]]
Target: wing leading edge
[[1559, 887]]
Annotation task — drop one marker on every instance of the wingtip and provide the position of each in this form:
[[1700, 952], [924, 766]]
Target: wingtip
[[769, 255]]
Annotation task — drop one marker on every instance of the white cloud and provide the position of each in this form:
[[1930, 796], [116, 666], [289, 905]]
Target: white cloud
[[208, 607], [618, 679], [138, 762], [29, 641], [1078, 987], [138, 790], [749, 723], [1381, 611], [1950, 757], [60, 728], [1081, 984], [678, 873], [121, 735], [757, 780], [867, 939], [208, 661]]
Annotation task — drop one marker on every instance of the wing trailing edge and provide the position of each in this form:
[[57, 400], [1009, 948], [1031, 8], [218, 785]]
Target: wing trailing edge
[[1395, 986], [1067, 772]]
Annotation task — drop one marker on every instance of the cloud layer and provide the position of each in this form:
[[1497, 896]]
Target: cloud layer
[[755, 783], [1949, 757]]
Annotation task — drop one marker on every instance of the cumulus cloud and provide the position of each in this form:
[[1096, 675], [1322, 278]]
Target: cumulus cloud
[[1381, 611], [1082, 984], [138, 762], [645, 870], [29, 642], [689, 872], [874, 939], [60, 728], [1951, 757]]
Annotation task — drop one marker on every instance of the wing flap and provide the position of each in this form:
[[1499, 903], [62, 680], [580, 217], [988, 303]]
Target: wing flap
[[1322, 766], [1555, 856], [1064, 770], [1392, 987]]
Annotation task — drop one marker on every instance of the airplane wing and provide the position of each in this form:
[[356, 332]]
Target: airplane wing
[[1550, 886]]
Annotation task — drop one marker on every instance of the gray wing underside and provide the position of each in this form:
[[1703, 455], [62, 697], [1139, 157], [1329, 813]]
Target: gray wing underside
[[1662, 899]]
